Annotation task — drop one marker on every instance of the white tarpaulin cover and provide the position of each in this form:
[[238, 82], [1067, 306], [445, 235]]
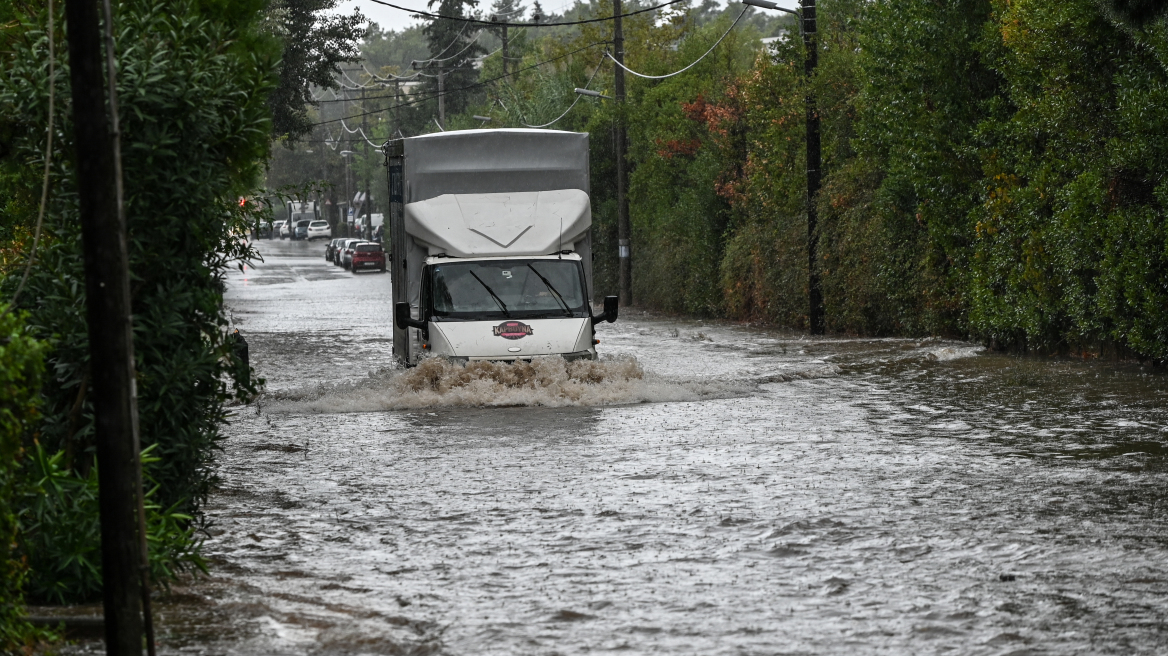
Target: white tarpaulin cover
[[489, 225]]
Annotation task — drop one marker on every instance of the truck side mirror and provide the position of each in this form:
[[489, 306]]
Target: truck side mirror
[[610, 310], [401, 316]]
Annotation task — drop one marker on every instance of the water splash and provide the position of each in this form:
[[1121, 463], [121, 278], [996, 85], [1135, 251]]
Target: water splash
[[550, 382], [947, 353]]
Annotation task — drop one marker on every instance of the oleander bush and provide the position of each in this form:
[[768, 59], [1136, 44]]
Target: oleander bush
[[21, 371], [193, 84]]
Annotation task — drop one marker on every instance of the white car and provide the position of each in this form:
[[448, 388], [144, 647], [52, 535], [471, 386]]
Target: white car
[[319, 230], [278, 229], [286, 230]]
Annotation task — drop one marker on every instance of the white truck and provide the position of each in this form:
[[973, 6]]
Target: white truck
[[490, 246]]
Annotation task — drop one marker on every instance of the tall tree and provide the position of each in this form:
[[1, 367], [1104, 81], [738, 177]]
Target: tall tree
[[454, 47], [316, 41]]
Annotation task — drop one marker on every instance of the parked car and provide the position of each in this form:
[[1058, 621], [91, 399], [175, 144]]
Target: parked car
[[319, 230], [339, 253], [301, 230], [278, 229], [367, 255], [330, 249], [263, 230], [347, 253]]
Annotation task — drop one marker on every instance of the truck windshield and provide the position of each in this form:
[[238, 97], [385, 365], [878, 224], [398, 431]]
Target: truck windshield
[[506, 289]]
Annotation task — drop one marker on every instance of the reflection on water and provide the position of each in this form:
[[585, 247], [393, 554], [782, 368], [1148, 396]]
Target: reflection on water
[[926, 496]]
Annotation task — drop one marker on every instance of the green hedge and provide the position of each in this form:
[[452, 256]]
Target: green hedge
[[193, 84], [21, 371]]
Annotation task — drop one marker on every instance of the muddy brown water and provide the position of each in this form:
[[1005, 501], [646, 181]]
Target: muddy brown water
[[711, 489]]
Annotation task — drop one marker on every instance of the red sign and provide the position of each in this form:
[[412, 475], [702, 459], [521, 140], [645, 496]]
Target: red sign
[[512, 330]]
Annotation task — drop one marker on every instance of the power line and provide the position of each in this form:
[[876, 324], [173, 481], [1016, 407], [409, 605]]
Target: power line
[[465, 88], [692, 64], [578, 97], [400, 78], [454, 56], [451, 44], [501, 24], [359, 131], [389, 77]]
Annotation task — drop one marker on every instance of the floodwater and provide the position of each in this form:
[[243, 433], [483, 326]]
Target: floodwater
[[707, 488]]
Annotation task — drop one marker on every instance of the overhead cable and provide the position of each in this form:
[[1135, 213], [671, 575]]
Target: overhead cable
[[451, 44], [356, 85], [469, 86], [692, 64], [501, 24], [388, 77], [359, 131], [454, 56], [578, 97]]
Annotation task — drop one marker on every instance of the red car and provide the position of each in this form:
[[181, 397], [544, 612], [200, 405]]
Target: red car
[[368, 255]]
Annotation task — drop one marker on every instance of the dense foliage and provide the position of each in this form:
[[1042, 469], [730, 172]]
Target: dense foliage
[[21, 369], [315, 43], [193, 82], [992, 169]]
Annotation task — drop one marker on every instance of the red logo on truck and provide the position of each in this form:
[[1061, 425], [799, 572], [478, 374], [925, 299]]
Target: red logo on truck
[[512, 330]]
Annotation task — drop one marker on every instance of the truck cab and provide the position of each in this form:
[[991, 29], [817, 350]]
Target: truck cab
[[504, 308]]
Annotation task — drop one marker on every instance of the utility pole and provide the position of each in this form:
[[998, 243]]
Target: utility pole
[[814, 175], [111, 346], [441, 95], [397, 102], [505, 48], [348, 193], [367, 226], [624, 254]]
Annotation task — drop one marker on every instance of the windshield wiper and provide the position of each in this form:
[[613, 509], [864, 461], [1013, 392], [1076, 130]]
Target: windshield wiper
[[502, 305], [559, 299]]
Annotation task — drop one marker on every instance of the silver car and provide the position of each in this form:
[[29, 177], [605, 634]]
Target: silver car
[[347, 253]]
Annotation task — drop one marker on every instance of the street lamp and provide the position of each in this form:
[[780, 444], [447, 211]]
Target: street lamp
[[591, 94], [763, 4]]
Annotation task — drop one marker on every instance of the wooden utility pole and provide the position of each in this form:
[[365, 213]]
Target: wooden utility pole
[[815, 315], [505, 49], [111, 347], [441, 95], [367, 227], [624, 251]]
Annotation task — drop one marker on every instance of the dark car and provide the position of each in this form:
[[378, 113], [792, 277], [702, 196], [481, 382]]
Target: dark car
[[331, 249], [343, 251], [366, 256], [301, 229]]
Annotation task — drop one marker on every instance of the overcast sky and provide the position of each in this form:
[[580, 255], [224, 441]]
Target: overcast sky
[[397, 19]]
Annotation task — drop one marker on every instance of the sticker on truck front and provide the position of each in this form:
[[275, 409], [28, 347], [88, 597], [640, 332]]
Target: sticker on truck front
[[512, 330]]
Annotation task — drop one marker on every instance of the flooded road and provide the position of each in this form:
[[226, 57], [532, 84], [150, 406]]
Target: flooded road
[[709, 489]]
